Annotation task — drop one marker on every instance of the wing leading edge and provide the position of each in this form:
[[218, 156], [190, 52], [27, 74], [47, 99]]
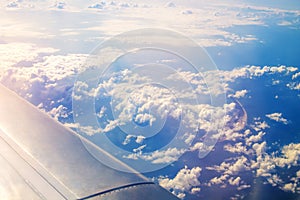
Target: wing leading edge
[[42, 159]]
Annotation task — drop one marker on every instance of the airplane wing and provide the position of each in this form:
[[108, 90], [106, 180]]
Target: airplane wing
[[42, 159]]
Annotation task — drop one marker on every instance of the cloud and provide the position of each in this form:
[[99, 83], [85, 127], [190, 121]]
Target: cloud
[[232, 181], [265, 164], [145, 117], [290, 187], [170, 5], [72, 125], [195, 190], [255, 138], [275, 82], [139, 149], [232, 168], [112, 124], [128, 139], [92, 130], [12, 4], [40, 77], [239, 165], [290, 156], [277, 117], [284, 23], [242, 187], [29, 61], [218, 87], [88, 130], [35, 74], [59, 112], [296, 76], [202, 116], [275, 180], [102, 112], [159, 156], [200, 146], [184, 181], [54, 73], [60, 5], [98, 5], [218, 180], [124, 5], [236, 148], [207, 24], [239, 94], [260, 71], [206, 34], [260, 125], [235, 181], [186, 12], [13, 53], [135, 100], [294, 86], [298, 174], [140, 139], [82, 91]]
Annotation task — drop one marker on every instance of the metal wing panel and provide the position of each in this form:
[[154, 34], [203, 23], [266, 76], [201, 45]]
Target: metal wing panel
[[12, 185], [18, 179]]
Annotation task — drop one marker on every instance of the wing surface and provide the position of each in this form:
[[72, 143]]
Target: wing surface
[[42, 159]]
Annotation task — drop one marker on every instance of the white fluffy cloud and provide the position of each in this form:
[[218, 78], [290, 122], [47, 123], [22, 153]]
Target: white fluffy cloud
[[60, 5], [186, 180], [34, 72], [186, 12], [296, 75], [266, 163], [239, 94], [98, 5], [255, 138], [236, 148], [138, 139], [159, 156], [290, 187], [59, 112], [235, 181], [260, 125], [232, 168], [12, 54], [170, 5], [260, 71], [294, 85], [290, 156], [277, 117], [12, 4]]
